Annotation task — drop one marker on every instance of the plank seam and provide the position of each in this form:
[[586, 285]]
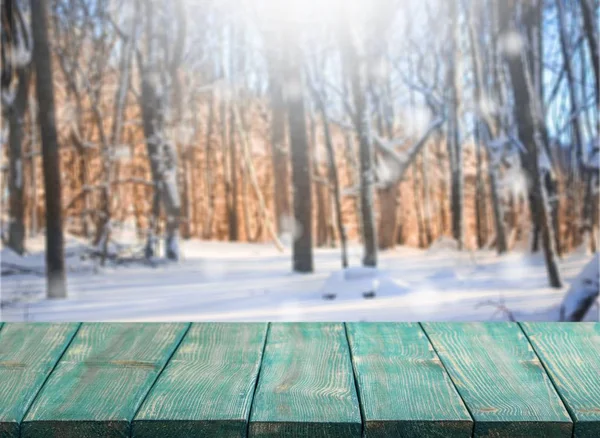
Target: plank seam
[[356, 386], [565, 405], [450, 377], [262, 356], [189, 325], [49, 374]]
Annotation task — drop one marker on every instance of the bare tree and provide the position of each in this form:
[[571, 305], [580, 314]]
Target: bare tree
[[209, 161], [16, 53], [16, 120], [301, 169], [591, 33], [529, 122], [278, 144], [356, 67], [273, 36], [157, 75], [232, 202], [486, 127], [320, 98], [55, 258], [455, 154], [576, 128]]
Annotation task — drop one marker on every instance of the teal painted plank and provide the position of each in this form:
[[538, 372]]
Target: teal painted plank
[[571, 354], [207, 387], [403, 387], [500, 379], [306, 387], [101, 380], [28, 353]]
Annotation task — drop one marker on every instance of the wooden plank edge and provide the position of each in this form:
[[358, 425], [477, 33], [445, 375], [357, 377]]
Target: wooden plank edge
[[580, 428], [361, 409], [62, 353], [472, 424]]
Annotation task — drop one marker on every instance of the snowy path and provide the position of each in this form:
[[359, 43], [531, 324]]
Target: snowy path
[[252, 282]]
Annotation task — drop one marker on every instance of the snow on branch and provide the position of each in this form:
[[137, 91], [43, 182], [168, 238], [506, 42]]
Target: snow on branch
[[391, 168]]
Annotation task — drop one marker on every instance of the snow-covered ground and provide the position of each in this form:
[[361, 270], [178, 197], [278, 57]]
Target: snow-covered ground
[[219, 281]]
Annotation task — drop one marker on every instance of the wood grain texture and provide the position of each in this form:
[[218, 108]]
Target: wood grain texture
[[403, 387], [207, 387], [306, 387], [101, 380], [28, 353], [570, 353], [500, 379]]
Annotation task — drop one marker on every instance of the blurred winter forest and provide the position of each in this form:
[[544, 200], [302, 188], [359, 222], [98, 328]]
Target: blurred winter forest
[[134, 126]]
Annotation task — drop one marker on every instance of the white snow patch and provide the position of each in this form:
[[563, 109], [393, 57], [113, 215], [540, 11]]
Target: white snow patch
[[355, 282], [220, 281]]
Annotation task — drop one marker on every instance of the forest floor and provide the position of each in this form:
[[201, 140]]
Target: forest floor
[[219, 281]]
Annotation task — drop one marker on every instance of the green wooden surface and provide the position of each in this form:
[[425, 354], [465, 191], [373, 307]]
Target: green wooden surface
[[306, 387], [570, 353], [404, 389], [500, 379], [28, 353], [206, 389], [101, 380]]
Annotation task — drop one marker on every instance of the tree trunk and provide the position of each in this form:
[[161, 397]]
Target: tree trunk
[[55, 261], [591, 33], [529, 124], [186, 152], [241, 111], [224, 155], [120, 101], [302, 253], [356, 66], [279, 151], [388, 217], [335, 185], [426, 201], [232, 210], [480, 204], [417, 206], [16, 119], [501, 240], [586, 229], [161, 152], [319, 186], [33, 224], [484, 129], [454, 146], [209, 162], [442, 167], [400, 238], [352, 174]]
